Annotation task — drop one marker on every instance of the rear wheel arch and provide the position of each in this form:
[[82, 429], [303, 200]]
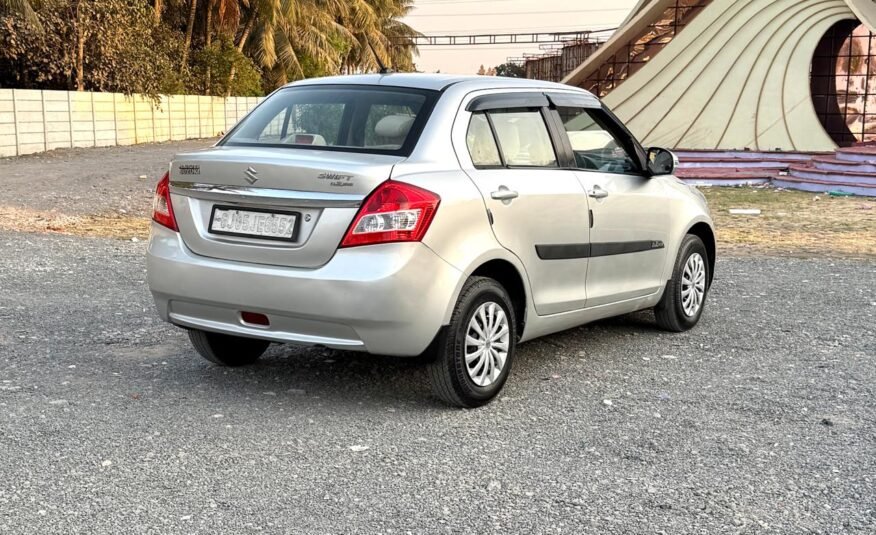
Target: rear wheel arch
[[507, 275], [704, 232]]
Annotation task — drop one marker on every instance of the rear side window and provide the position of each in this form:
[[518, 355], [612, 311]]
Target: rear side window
[[595, 147], [510, 138], [481, 143], [523, 138], [345, 118]]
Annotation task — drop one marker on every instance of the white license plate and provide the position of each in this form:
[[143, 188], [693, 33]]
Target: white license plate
[[254, 223]]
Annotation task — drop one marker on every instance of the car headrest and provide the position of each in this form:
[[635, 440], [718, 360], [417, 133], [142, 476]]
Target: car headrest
[[509, 138], [394, 126]]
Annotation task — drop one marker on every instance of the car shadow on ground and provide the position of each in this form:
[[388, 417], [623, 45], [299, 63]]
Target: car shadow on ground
[[348, 377]]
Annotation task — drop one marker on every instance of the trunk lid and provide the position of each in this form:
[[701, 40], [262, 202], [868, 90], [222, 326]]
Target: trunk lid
[[323, 189]]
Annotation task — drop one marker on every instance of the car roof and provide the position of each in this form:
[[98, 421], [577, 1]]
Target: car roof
[[437, 82]]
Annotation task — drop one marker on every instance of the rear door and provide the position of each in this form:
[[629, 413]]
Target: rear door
[[539, 211], [630, 217]]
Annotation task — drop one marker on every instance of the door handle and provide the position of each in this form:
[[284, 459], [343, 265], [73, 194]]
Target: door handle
[[597, 193], [504, 194]]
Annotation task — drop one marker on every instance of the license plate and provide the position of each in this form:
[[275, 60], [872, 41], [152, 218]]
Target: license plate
[[252, 223]]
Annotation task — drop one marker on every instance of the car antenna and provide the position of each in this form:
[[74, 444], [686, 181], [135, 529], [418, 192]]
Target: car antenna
[[383, 69]]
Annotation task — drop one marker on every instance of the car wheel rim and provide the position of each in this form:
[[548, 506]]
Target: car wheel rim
[[693, 285], [486, 344]]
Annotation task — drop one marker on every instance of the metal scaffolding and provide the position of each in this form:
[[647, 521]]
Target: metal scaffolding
[[558, 60], [505, 38]]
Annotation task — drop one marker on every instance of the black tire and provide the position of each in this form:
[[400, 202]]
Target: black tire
[[227, 350], [448, 371], [670, 312]]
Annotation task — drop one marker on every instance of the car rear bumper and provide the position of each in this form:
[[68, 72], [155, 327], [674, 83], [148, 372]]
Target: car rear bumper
[[387, 299]]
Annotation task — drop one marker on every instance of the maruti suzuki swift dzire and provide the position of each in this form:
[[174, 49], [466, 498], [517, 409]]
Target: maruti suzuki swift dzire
[[404, 214]]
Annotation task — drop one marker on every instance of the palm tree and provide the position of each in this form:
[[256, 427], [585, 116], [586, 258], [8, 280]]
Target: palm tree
[[221, 17], [21, 8], [278, 32], [334, 34], [376, 29], [401, 37], [190, 27]]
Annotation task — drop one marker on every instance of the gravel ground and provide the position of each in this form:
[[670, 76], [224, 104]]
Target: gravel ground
[[761, 420], [90, 180]]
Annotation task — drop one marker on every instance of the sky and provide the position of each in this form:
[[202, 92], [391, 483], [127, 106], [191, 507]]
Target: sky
[[466, 17]]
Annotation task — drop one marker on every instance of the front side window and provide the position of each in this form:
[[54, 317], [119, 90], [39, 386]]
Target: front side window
[[595, 147], [354, 118], [523, 138]]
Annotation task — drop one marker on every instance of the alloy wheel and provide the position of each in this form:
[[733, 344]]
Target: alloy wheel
[[693, 285], [486, 344]]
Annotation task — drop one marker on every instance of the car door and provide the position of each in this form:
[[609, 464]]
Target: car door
[[538, 210], [630, 219]]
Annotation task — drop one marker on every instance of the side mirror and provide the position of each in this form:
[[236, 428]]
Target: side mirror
[[661, 162]]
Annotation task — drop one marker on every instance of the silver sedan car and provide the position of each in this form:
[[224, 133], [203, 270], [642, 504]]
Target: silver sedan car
[[407, 214]]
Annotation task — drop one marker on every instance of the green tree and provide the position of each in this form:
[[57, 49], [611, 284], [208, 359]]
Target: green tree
[[197, 46], [375, 27], [106, 45], [214, 64], [511, 70]]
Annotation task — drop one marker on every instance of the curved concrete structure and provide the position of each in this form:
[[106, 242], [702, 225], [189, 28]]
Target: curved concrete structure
[[736, 76], [865, 10]]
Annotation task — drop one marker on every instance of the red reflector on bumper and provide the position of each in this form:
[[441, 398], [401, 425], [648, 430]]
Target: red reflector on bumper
[[254, 318]]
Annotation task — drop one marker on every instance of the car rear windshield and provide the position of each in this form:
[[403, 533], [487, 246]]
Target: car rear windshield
[[379, 120]]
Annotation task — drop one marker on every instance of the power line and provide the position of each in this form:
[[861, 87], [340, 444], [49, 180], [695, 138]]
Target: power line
[[528, 30], [504, 38], [505, 46], [499, 46], [508, 13], [443, 2]]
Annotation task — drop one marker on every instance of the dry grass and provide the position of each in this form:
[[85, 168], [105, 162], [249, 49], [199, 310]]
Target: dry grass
[[793, 223], [101, 226]]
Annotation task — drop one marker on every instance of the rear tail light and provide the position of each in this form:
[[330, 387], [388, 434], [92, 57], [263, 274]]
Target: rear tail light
[[394, 212], [162, 209]]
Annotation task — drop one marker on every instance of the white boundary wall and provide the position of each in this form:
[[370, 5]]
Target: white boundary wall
[[33, 120]]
